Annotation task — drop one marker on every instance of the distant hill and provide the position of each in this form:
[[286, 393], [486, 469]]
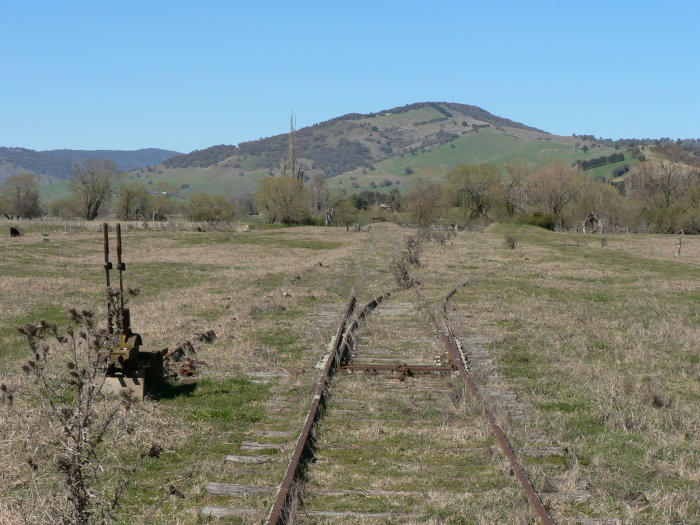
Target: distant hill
[[56, 164], [376, 150], [125, 160], [201, 158], [389, 149], [354, 140]]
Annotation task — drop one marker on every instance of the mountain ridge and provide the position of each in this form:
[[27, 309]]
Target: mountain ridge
[[56, 164]]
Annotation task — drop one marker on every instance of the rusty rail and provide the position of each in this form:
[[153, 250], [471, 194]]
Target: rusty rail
[[279, 513], [448, 338]]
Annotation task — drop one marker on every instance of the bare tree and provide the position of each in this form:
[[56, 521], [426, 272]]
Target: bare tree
[[289, 167], [476, 188], [669, 193], [94, 181], [552, 189], [660, 184], [425, 201], [514, 188]]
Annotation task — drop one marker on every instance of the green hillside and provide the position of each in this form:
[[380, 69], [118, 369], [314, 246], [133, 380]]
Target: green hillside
[[488, 145]]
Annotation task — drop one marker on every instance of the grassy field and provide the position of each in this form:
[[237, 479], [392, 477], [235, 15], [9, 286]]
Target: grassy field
[[597, 339], [214, 180]]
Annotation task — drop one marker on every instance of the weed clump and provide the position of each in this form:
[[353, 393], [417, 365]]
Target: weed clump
[[399, 269], [413, 249], [510, 242]]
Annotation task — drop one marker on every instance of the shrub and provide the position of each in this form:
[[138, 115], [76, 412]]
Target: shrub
[[413, 249], [548, 221]]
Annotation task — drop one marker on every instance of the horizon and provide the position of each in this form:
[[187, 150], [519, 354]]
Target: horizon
[[315, 123], [181, 77]]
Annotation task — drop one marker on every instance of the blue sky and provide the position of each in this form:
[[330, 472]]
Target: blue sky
[[188, 75]]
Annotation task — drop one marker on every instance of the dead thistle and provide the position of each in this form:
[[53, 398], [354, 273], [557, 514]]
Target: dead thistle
[[81, 431]]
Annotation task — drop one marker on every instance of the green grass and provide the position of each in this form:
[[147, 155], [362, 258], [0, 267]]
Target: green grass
[[268, 240], [286, 343], [225, 409], [228, 402], [153, 278]]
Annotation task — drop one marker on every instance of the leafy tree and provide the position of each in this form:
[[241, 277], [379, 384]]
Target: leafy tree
[[20, 196], [67, 207], [94, 181], [134, 202], [281, 199], [603, 201], [206, 207], [344, 212], [247, 204], [394, 199]]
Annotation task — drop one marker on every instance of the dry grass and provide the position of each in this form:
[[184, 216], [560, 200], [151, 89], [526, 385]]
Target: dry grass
[[599, 342]]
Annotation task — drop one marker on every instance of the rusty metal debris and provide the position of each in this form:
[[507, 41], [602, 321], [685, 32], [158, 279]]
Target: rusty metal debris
[[400, 372], [131, 365], [180, 362]]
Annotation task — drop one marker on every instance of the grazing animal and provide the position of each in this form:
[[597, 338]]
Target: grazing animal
[[14, 232]]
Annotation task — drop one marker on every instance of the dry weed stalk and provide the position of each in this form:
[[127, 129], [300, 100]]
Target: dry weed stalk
[[79, 433]]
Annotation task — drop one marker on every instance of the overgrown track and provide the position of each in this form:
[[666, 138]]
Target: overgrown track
[[457, 359], [398, 442]]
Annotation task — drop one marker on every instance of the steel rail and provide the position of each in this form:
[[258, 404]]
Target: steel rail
[[279, 513], [448, 338]]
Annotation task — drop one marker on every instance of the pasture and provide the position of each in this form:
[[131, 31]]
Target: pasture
[[598, 338]]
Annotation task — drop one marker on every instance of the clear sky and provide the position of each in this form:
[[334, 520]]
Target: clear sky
[[188, 75]]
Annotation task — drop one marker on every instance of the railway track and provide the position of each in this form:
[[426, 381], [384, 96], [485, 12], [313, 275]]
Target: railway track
[[397, 431], [398, 442]]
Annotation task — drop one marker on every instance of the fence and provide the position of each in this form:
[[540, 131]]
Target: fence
[[171, 225]]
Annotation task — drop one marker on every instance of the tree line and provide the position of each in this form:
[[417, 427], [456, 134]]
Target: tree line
[[660, 195], [600, 161], [98, 187]]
